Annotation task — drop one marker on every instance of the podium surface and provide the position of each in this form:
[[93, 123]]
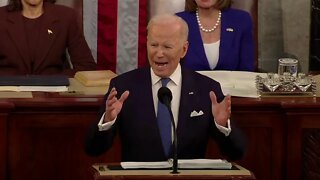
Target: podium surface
[[102, 172]]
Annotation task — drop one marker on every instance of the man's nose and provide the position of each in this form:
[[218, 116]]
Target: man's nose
[[159, 52]]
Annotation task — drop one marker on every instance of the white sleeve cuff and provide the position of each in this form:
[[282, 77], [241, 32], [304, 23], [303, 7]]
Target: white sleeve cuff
[[105, 126], [225, 130]]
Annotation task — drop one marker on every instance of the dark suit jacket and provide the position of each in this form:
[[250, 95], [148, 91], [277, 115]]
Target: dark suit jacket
[[236, 42], [137, 123], [51, 49]]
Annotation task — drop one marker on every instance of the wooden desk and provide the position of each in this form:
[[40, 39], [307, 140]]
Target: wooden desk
[[42, 137], [283, 135], [5, 108], [102, 172]]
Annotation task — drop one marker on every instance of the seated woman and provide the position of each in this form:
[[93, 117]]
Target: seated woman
[[35, 36], [220, 38]]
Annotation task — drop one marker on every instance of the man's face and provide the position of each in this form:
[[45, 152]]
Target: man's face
[[165, 48]]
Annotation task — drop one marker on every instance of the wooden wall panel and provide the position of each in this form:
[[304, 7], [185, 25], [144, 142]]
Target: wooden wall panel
[[5, 108], [77, 5], [50, 143], [303, 127], [42, 137]]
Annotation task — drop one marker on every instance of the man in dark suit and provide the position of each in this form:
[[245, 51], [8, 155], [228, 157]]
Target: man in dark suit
[[35, 36], [199, 108]]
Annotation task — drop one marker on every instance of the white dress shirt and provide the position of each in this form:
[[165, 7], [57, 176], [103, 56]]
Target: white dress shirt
[[212, 53], [175, 87]]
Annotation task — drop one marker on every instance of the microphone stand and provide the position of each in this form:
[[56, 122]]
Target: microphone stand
[[165, 96], [175, 144]]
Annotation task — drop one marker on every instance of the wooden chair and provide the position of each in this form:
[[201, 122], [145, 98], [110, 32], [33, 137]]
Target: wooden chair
[[77, 5], [252, 7]]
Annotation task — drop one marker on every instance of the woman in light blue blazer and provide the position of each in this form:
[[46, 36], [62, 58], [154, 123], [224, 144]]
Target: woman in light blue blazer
[[220, 38]]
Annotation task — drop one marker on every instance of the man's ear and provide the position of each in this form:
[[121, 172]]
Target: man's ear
[[185, 48]]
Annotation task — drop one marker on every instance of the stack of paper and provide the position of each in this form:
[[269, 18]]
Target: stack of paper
[[145, 165], [204, 163], [47, 83], [182, 163], [34, 88], [236, 83], [95, 78]]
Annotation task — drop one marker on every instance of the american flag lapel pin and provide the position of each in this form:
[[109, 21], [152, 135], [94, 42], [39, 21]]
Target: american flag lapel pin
[[50, 31], [229, 29]]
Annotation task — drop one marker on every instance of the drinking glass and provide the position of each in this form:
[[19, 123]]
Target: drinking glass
[[288, 65]]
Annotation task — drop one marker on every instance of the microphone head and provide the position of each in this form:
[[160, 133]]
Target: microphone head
[[165, 96]]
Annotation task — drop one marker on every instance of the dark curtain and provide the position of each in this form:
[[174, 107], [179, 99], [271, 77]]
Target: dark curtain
[[314, 64]]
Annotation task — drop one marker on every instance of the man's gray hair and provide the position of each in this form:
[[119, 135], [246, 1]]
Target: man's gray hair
[[170, 18]]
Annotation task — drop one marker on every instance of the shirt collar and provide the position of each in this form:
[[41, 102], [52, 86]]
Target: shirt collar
[[175, 77]]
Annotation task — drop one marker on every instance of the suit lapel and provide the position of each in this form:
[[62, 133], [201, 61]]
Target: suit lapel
[[188, 94], [226, 38], [198, 46], [16, 32], [146, 92], [47, 34]]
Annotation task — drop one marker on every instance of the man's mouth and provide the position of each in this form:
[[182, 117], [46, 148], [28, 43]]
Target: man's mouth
[[161, 64]]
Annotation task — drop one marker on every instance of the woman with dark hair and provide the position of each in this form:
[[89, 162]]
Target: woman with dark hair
[[37, 36], [16, 5], [220, 38]]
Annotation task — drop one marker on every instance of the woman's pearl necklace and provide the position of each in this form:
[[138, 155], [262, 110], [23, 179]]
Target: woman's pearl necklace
[[208, 30]]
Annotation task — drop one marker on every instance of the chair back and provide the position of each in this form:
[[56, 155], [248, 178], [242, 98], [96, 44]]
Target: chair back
[[77, 5], [250, 6]]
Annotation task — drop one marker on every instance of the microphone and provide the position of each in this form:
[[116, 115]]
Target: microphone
[[165, 97]]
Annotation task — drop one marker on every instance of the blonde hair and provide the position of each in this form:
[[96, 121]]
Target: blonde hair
[[192, 6]]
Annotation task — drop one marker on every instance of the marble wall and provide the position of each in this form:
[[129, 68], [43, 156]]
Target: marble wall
[[3, 2], [284, 31]]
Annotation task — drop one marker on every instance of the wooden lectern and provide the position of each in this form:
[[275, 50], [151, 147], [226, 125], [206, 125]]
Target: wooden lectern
[[103, 172]]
